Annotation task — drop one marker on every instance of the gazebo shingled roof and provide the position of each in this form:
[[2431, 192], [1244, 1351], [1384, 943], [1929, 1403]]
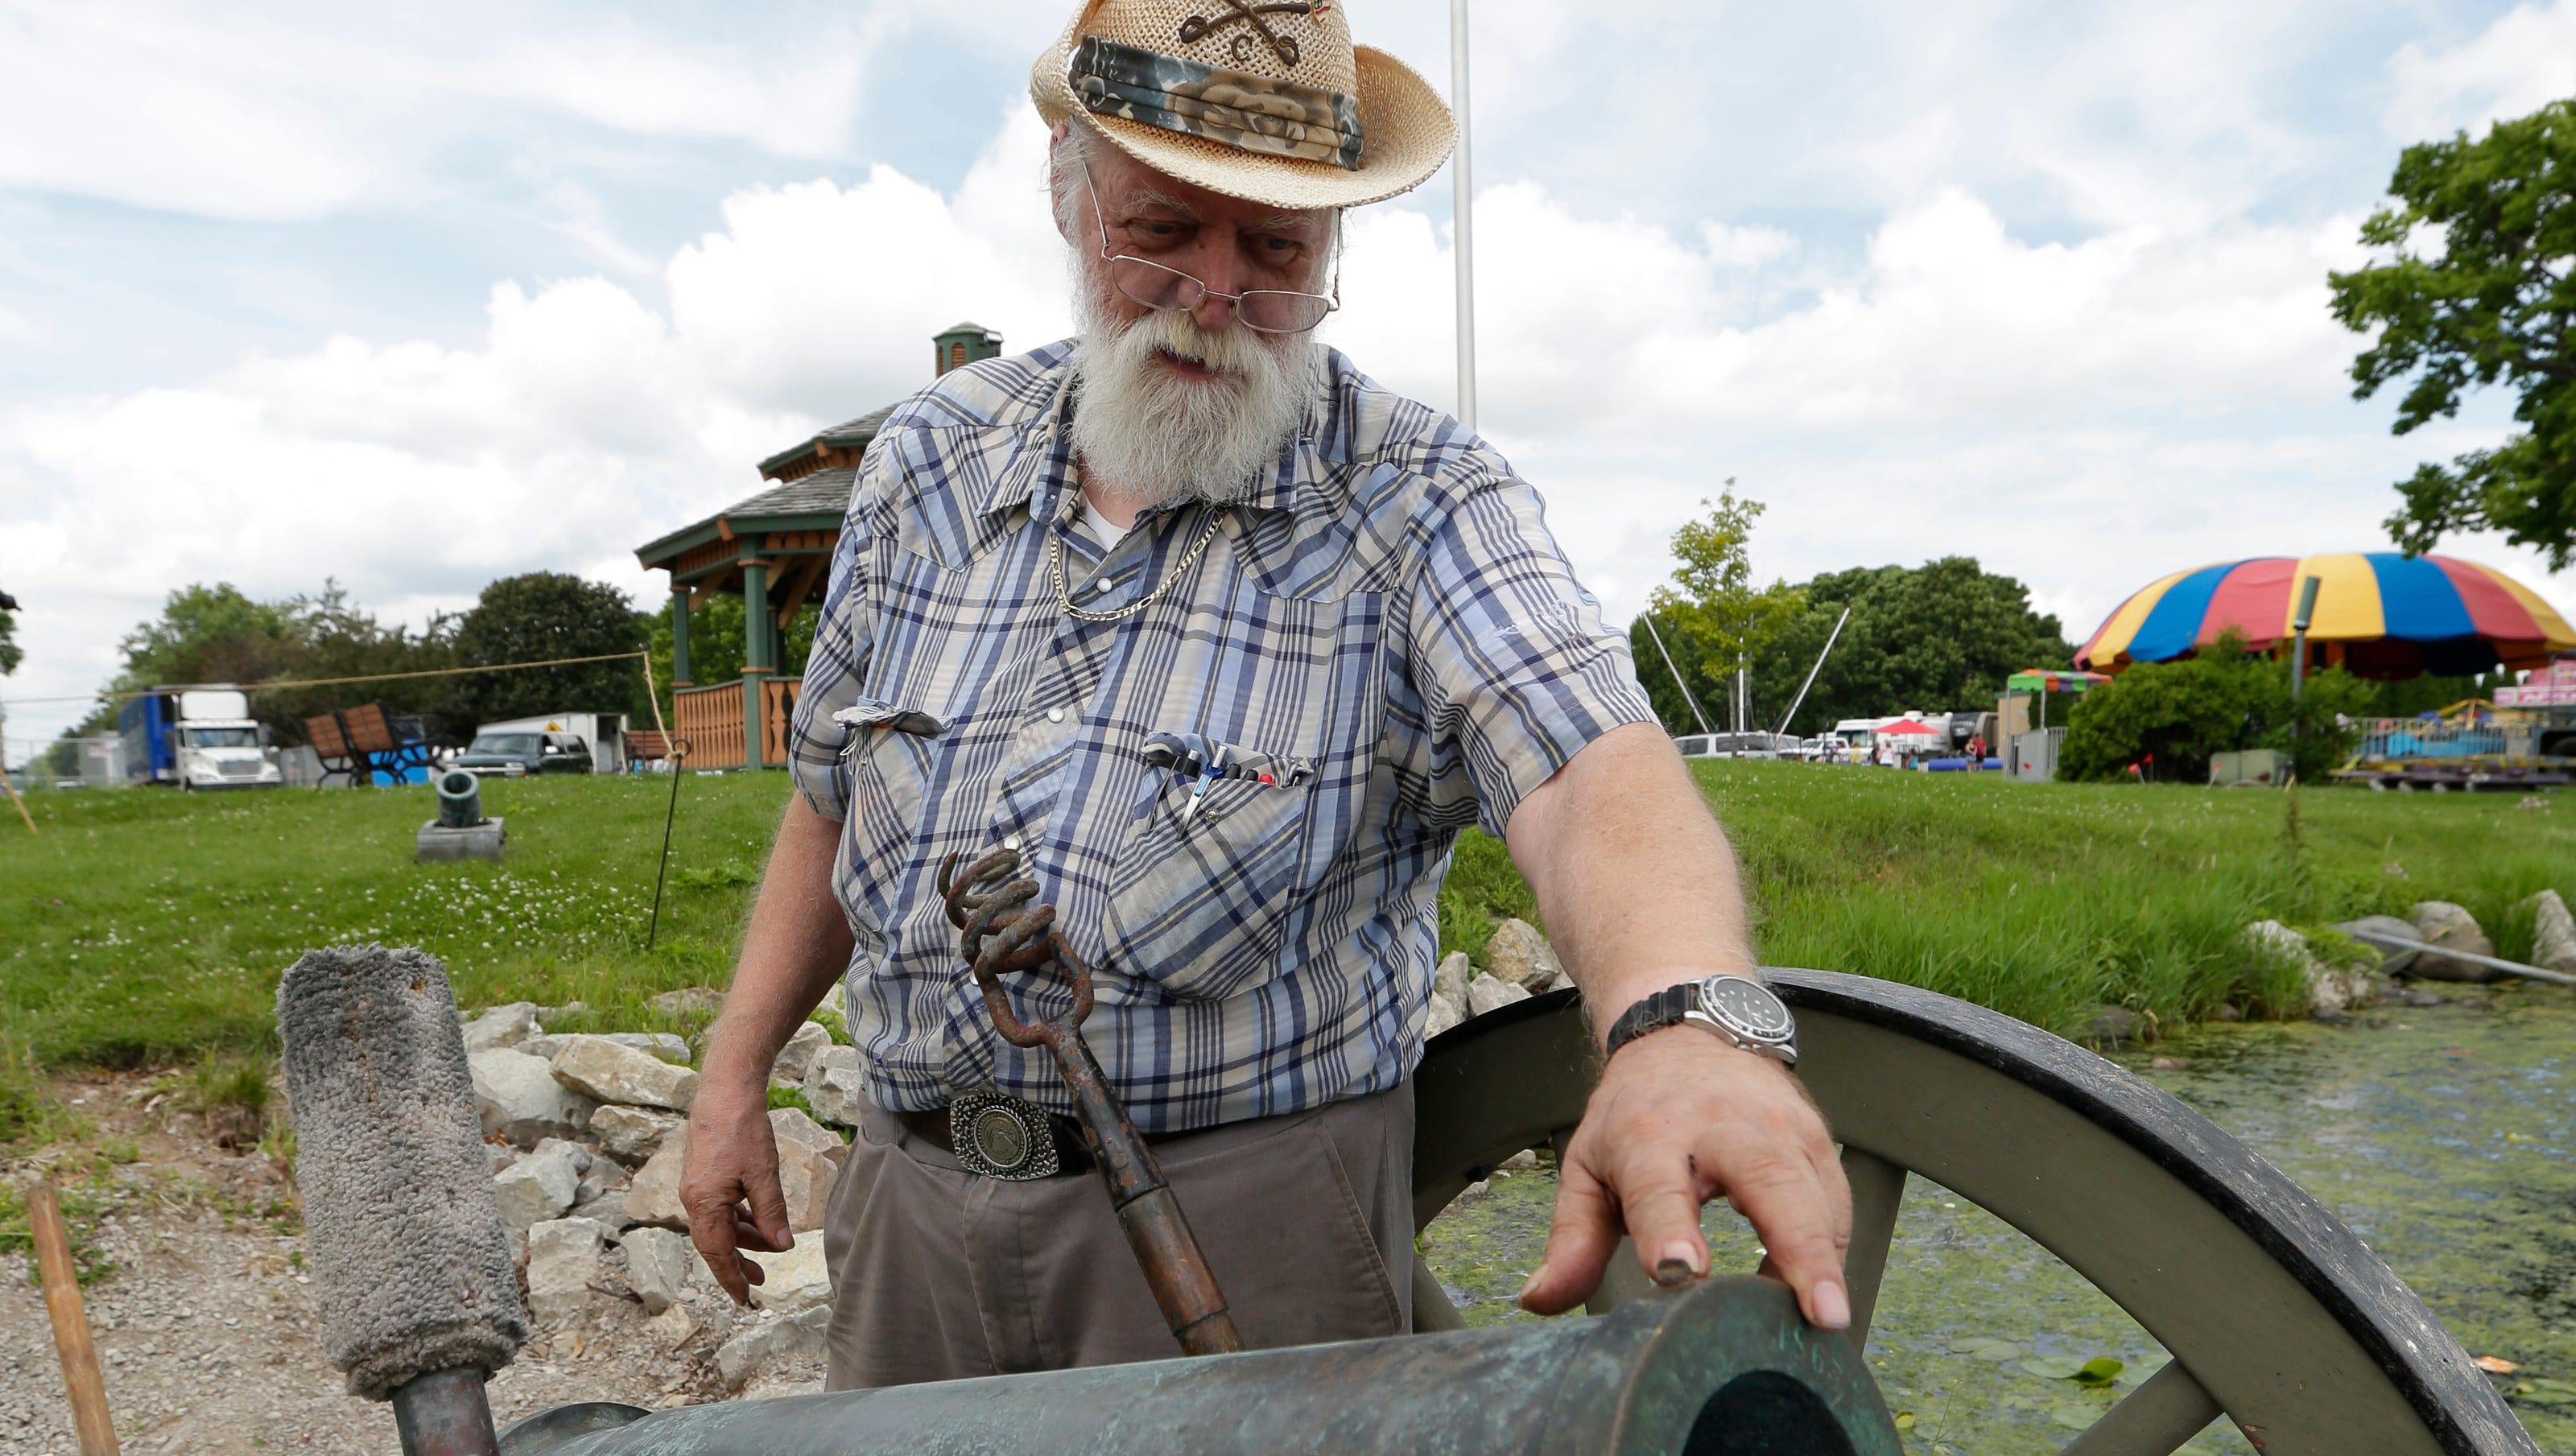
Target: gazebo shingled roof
[[774, 550]]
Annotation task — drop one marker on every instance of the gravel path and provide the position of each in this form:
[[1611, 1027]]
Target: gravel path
[[209, 1336]]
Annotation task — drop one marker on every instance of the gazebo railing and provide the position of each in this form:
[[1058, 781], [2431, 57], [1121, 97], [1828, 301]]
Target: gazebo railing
[[711, 718]]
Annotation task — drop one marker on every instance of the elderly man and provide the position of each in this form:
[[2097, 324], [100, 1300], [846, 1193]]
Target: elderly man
[[1194, 521]]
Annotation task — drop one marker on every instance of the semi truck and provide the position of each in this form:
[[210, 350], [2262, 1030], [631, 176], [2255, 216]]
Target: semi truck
[[196, 738]]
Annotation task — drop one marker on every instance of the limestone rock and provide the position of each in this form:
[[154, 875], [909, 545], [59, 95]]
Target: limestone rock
[[690, 1001], [538, 1187], [654, 1196], [835, 1086], [1488, 993], [518, 1098], [2553, 933], [795, 1058], [760, 1344], [809, 1158], [796, 1279], [672, 1327], [544, 1046], [563, 1263], [600, 1068], [1445, 1014], [502, 1026], [630, 1134], [1452, 977], [2331, 991], [602, 1195], [657, 1266], [607, 1209], [2451, 927], [652, 1043], [2392, 959], [2112, 1025], [791, 1125], [1522, 956]]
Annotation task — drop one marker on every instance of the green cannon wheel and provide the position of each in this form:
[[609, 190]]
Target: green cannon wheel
[[2277, 1315]]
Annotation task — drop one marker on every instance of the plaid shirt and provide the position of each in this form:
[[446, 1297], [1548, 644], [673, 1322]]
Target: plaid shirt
[[1385, 627]]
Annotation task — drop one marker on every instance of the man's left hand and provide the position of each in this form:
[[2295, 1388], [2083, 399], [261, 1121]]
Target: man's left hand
[[1680, 1118]]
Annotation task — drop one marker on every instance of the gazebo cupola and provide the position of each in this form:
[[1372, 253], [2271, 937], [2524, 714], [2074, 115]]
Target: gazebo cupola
[[773, 550]]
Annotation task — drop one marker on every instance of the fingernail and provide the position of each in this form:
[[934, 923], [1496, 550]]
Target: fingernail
[[1672, 1272], [1530, 1283], [1833, 1306]]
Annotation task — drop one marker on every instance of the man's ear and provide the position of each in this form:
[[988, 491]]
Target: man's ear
[[1060, 138]]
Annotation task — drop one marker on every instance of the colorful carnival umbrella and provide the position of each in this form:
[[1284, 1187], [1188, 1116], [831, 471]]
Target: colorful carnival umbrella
[[2379, 614]]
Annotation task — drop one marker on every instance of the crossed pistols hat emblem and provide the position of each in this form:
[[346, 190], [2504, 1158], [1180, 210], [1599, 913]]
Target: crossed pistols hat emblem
[[1199, 27]]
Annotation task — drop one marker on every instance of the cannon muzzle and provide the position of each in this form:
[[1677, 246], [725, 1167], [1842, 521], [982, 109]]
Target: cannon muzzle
[[1724, 1368], [460, 799]]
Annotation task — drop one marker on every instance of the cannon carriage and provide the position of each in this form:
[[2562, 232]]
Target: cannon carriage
[[2277, 1316]]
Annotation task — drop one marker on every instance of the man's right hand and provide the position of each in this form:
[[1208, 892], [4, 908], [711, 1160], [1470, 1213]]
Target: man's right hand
[[729, 1183]]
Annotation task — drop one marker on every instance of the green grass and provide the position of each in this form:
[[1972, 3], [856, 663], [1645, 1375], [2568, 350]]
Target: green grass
[[148, 928]]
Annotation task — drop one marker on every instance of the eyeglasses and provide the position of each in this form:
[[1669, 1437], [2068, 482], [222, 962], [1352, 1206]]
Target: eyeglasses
[[1262, 310]]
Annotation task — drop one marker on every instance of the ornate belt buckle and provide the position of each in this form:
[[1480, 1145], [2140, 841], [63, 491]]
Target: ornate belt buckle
[[1002, 1137]]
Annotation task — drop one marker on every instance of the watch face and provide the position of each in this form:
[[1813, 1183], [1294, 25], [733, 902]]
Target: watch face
[[1747, 1006]]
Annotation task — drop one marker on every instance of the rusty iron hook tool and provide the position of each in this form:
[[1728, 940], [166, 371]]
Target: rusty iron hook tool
[[997, 935]]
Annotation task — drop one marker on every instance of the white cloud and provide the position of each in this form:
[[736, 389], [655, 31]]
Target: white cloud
[[2084, 413], [2516, 65], [271, 113]]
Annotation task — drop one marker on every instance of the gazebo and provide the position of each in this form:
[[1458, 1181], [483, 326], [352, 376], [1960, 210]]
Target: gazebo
[[773, 550]]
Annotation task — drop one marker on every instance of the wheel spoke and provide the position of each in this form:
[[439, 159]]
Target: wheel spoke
[[1877, 1187], [1624, 1280], [1431, 1307], [2152, 1420]]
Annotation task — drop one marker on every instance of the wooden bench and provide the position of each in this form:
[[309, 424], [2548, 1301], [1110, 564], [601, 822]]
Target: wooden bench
[[647, 745], [359, 743]]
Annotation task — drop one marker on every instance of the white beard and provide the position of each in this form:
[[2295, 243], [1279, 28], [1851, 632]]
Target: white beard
[[1160, 439]]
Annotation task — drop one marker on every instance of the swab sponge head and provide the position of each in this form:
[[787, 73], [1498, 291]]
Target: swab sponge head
[[404, 1234]]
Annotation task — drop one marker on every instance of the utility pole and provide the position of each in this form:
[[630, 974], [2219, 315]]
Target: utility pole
[[1462, 181]]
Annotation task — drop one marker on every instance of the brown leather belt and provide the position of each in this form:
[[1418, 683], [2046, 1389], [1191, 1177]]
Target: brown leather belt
[[1007, 1149], [1056, 1151]]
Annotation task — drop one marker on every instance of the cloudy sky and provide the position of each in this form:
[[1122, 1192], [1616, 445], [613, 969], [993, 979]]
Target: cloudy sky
[[414, 297]]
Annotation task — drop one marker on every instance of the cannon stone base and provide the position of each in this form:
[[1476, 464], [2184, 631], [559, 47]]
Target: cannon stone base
[[438, 842]]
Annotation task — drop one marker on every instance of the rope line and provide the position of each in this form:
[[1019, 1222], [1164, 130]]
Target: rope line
[[331, 682]]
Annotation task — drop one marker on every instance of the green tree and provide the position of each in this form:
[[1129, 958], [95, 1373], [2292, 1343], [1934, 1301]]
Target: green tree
[[10, 653], [1712, 615], [1938, 637], [2495, 305], [2168, 718], [218, 634], [545, 616]]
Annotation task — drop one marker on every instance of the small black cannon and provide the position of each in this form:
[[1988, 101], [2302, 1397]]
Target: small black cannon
[[1724, 1368], [460, 831]]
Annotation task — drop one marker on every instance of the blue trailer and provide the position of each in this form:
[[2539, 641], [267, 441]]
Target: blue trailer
[[196, 738]]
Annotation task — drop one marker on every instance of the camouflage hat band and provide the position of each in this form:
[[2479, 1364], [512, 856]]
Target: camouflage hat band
[[1248, 113]]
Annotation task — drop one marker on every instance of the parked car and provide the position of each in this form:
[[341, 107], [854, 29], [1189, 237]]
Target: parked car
[[516, 753]]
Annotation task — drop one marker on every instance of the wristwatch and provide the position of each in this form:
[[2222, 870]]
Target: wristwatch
[[1738, 1011]]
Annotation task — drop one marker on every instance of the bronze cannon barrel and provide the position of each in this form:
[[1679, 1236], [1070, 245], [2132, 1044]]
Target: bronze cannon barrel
[[1724, 1368]]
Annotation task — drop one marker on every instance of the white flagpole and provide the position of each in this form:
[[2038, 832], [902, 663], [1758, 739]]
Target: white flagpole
[[1464, 185]]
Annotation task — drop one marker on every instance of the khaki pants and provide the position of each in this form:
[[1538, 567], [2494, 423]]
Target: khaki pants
[[1306, 1221]]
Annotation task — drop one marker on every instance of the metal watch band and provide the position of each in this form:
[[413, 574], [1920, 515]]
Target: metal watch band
[[1664, 1008]]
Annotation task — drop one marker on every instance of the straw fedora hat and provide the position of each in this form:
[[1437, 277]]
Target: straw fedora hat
[[1266, 100]]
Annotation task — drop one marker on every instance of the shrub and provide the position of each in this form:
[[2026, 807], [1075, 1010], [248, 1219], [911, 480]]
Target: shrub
[[2169, 718]]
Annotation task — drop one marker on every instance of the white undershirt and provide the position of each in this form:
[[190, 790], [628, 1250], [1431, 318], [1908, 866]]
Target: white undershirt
[[1108, 536]]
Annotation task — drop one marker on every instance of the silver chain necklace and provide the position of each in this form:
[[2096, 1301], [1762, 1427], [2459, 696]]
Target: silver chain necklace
[[1064, 597]]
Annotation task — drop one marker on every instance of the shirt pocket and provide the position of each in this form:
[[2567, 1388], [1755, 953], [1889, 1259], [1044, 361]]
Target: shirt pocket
[[1209, 903], [886, 769], [1196, 899]]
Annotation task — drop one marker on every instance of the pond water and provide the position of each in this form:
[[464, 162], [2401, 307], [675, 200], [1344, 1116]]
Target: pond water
[[2444, 1135]]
